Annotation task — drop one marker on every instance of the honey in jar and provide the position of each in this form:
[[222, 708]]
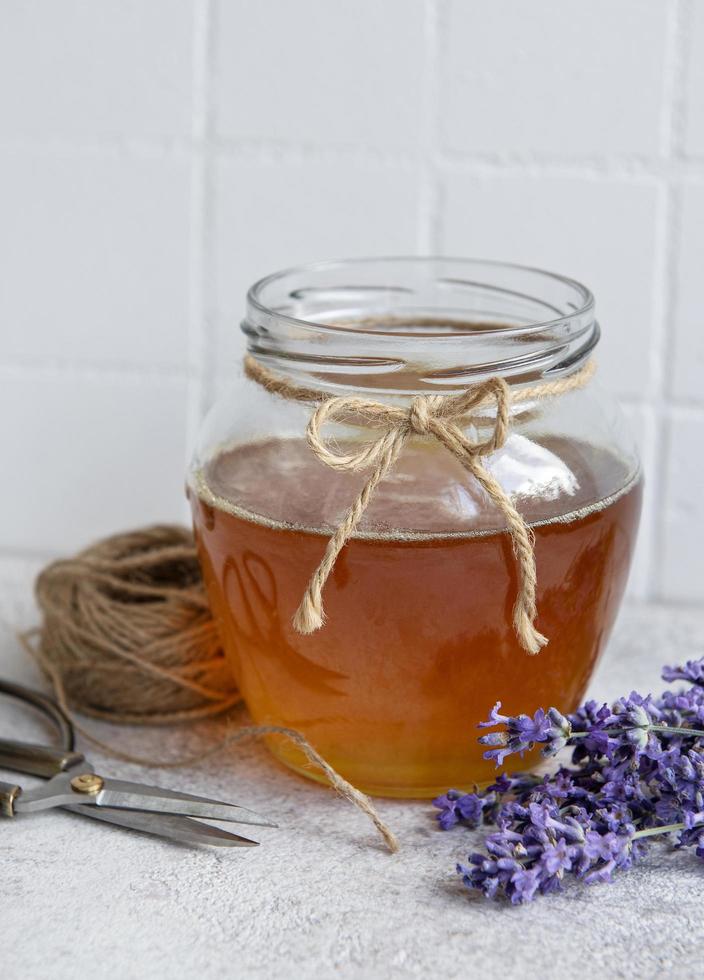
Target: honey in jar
[[418, 641]]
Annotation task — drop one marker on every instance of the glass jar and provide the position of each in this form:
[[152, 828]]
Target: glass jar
[[419, 640]]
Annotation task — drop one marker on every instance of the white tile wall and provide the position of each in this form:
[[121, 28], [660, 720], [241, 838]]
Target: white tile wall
[[600, 232], [687, 324], [641, 421], [94, 258], [683, 524], [267, 212], [88, 455], [78, 69], [558, 76], [694, 68], [349, 72], [156, 157]]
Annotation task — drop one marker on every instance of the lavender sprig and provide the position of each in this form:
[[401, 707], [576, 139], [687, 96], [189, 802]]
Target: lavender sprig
[[522, 732], [637, 772]]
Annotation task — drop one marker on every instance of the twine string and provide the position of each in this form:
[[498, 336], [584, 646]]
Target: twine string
[[127, 633], [440, 417], [127, 636]]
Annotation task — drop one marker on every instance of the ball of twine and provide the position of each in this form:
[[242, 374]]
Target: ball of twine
[[127, 636], [127, 629]]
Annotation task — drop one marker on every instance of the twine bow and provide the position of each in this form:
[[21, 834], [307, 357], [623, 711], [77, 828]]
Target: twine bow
[[434, 416]]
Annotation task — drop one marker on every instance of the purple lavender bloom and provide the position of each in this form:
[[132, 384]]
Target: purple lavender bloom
[[637, 770], [598, 742], [523, 731], [524, 885], [457, 807], [687, 704], [636, 711], [692, 820], [693, 833], [509, 813], [614, 818], [530, 730], [494, 718], [608, 852], [592, 718], [559, 733], [484, 875], [590, 715], [606, 847], [601, 875], [503, 784], [559, 787], [628, 725], [540, 848], [693, 671], [556, 858]]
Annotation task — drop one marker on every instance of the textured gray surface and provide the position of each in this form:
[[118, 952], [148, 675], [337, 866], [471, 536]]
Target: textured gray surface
[[321, 898]]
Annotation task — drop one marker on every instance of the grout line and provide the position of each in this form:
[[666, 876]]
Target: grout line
[[610, 167], [640, 580], [122, 372], [694, 407], [199, 224], [275, 152], [662, 341], [26, 555], [207, 311], [682, 411], [691, 406], [127, 373], [664, 605], [631, 402], [429, 191]]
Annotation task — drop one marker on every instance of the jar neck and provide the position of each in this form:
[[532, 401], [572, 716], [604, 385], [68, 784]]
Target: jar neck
[[406, 326]]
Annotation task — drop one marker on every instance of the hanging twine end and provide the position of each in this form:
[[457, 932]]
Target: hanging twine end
[[309, 616], [536, 643], [532, 641], [442, 417], [528, 636]]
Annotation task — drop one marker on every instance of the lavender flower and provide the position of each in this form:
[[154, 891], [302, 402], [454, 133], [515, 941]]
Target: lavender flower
[[637, 772], [522, 732], [457, 807], [693, 671], [556, 858], [534, 856]]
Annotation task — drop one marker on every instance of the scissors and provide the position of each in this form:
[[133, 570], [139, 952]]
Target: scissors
[[74, 785]]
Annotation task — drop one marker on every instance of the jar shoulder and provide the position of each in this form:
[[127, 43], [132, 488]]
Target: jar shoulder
[[561, 456]]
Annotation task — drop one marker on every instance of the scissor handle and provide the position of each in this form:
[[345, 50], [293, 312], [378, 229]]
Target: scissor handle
[[38, 760], [8, 795], [47, 706]]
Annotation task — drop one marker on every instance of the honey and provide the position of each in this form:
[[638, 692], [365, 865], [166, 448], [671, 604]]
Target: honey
[[418, 643]]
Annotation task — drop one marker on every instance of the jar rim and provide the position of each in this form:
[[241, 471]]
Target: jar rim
[[255, 302], [419, 322]]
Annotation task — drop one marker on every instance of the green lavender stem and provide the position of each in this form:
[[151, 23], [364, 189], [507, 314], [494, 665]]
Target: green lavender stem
[[676, 731], [654, 831], [665, 729]]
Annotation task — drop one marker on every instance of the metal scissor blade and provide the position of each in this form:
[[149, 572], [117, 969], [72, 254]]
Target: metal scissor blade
[[124, 795], [136, 796], [165, 825]]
